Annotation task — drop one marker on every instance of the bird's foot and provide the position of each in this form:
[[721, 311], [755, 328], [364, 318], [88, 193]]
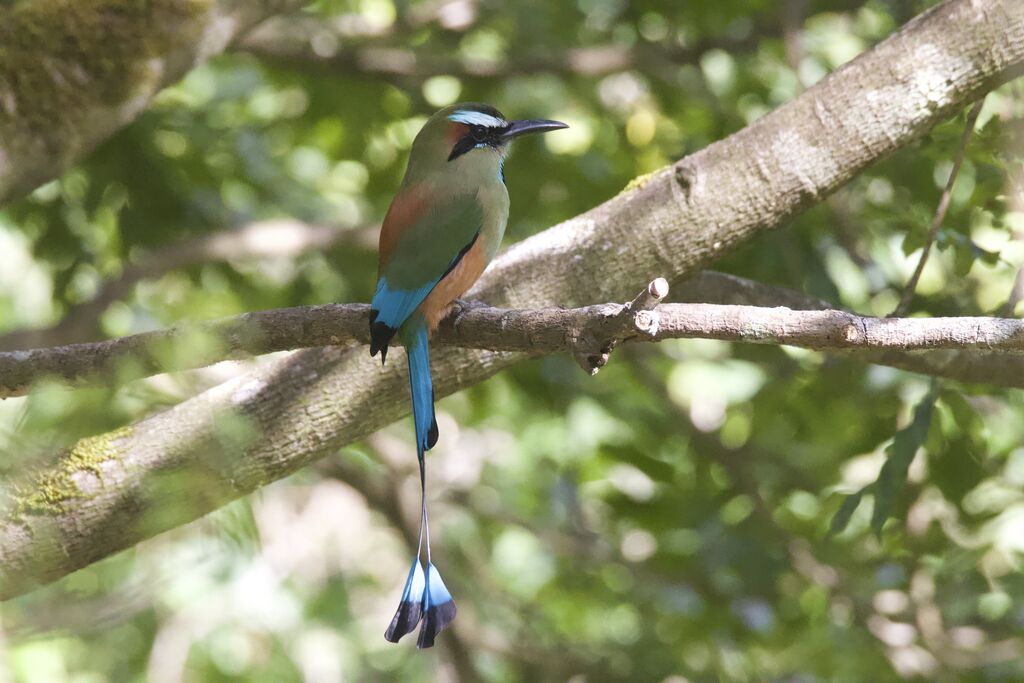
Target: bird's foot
[[460, 307]]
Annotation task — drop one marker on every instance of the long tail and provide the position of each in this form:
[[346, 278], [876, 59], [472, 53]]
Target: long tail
[[414, 336], [425, 595]]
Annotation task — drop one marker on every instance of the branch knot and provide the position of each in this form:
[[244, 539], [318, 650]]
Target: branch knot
[[597, 339]]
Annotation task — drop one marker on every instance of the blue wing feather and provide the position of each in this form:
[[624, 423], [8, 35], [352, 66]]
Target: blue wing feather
[[394, 306], [423, 255]]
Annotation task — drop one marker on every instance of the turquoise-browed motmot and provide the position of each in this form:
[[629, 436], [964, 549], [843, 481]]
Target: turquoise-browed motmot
[[442, 229]]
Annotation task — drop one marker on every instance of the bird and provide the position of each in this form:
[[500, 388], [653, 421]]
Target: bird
[[443, 227]]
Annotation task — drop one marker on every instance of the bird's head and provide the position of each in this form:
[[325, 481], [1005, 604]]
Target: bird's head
[[470, 136]]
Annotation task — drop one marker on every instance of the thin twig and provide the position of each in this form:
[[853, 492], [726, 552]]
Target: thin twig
[[1014, 190], [793, 15], [395, 62], [348, 47], [940, 212]]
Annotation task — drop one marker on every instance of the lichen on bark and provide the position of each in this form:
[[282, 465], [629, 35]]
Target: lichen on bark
[[50, 491], [641, 180]]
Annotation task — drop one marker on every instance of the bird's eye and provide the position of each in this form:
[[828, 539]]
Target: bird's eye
[[479, 133]]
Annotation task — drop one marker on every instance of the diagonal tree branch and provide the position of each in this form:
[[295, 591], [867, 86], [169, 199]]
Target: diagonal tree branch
[[940, 212], [72, 73], [111, 491]]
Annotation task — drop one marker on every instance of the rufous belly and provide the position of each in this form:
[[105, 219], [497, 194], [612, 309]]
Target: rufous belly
[[439, 302]]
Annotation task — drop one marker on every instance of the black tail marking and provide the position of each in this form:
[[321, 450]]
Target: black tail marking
[[436, 618], [381, 335], [433, 433], [405, 620]]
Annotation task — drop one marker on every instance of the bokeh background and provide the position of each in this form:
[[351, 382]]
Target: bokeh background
[[666, 520]]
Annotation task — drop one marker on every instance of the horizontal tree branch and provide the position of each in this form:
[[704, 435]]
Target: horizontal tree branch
[[403, 64], [275, 238], [72, 73], [302, 43], [588, 333], [109, 492]]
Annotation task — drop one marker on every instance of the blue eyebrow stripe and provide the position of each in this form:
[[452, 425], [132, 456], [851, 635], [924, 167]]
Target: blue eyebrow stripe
[[477, 118]]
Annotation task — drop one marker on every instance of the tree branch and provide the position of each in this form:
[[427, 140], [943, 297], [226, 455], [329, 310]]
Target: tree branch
[[111, 491], [263, 239], [589, 333], [72, 73], [940, 211], [296, 42], [401, 64]]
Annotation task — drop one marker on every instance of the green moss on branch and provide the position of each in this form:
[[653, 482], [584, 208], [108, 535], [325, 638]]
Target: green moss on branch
[[51, 491], [63, 60]]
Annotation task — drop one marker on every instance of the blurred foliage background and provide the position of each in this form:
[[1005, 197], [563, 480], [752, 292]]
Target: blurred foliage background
[[666, 520]]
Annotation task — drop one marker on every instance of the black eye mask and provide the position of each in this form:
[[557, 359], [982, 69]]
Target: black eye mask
[[477, 135]]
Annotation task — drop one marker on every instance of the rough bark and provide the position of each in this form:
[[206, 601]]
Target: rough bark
[[110, 492], [74, 71], [588, 332]]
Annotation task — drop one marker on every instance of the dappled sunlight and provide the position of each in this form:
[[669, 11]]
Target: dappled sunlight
[[698, 510]]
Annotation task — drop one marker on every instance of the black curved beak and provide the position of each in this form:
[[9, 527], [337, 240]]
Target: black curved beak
[[517, 128]]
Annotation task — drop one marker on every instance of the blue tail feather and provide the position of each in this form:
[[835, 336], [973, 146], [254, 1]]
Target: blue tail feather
[[438, 608], [410, 609], [425, 599], [390, 309], [414, 336]]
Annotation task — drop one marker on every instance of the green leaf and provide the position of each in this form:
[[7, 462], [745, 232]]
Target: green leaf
[[966, 417], [236, 525], [957, 451], [845, 512], [963, 259], [989, 257], [901, 452], [967, 252], [912, 241]]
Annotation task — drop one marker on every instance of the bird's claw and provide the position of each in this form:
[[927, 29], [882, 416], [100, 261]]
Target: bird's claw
[[460, 307]]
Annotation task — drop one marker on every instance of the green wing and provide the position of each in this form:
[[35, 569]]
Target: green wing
[[432, 245]]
